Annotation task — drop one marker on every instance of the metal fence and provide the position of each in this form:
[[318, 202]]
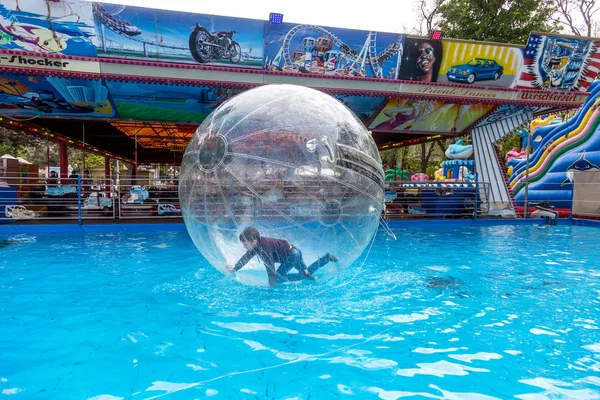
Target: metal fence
[[437, 200], [148, 198], [26, 198], [82, 199], [38, 199]]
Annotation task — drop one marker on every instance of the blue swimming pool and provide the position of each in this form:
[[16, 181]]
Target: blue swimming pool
[[452, 312]]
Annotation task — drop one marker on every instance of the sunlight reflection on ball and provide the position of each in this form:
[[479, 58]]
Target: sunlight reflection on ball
[[294, 163]]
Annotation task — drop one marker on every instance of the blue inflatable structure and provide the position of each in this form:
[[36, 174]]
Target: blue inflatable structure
[[557, 151]]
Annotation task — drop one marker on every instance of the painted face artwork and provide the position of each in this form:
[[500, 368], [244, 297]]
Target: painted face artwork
[[426, 58]]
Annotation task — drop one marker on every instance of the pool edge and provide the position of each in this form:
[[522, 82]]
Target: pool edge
[[180, 226], [90, 228]]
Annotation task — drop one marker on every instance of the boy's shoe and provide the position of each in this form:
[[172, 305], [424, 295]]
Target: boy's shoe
[[331, 257]]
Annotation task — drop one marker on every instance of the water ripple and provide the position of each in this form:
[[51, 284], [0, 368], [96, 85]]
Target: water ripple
[[137, 315]]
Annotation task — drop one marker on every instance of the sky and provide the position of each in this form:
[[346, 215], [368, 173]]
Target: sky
[[396, 16]]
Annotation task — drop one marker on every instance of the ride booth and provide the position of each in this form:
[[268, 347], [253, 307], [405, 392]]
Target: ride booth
[[454, 196]]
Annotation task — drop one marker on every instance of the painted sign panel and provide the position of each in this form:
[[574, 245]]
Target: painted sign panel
[[331, 51], [421, 60], [559, 63], [144, 33], [154, 102], [571, 98], [480, 64], [21, 61], [52, 96], [427, 116], [362, 106], [47, 27], [505, 112]]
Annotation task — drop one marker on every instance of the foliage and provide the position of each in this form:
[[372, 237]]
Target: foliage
[[415, 158], [578, 16], [30, 148], [41, 152], [504, 21], [509, 142], [428, 15], [93, 162]]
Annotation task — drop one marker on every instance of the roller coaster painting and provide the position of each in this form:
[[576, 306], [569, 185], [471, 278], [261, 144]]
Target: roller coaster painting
[[142, 33], [314, 49]]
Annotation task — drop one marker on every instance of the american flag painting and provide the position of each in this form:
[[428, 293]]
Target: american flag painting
[[559, 63]]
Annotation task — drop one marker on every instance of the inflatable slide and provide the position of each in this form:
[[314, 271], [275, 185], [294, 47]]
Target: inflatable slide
[[557, 151]]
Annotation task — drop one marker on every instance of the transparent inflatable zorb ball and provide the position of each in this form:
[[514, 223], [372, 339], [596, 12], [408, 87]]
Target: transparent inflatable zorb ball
[[290, 161]]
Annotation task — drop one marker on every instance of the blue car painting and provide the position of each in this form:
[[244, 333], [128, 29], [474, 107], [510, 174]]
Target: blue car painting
[[478, 69]]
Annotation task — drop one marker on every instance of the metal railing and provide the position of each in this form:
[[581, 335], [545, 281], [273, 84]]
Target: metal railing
[[148, 198], [76, 198], [439, 200], [82, 199]]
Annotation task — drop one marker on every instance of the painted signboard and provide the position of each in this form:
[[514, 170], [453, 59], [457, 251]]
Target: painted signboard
[[559, 62], [569, 99], [145, 33], [154, 102], [427, 116], [47, 27], [505, 112], [192, 104], [331, 51], [362, 106], [52, 96], [421, 60], [484, 64]]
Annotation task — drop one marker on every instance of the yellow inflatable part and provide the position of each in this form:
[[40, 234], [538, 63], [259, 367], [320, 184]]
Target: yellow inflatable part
[[539, 122], [510, 170]]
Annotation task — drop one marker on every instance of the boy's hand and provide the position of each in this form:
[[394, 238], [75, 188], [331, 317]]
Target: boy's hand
[[229, 268], [308, 276]]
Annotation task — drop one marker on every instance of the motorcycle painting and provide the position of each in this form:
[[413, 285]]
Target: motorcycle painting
[[206, 47], [171, 36]]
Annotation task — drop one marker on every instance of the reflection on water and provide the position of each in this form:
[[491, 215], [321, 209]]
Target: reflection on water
[[142, 316]]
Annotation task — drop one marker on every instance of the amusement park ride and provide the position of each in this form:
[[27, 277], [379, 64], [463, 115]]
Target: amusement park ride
[[134, 89]]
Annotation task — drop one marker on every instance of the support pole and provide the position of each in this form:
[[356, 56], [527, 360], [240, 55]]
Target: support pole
[[476, 205], [136, 160], [64, 163], [83, 169], [107, 175], [526, 202], [79, 198], [48, 157]]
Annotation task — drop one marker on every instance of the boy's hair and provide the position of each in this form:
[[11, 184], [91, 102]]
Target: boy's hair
[[249, 234]]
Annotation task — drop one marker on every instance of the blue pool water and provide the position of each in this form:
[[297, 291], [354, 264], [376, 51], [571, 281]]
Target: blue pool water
[[443, 312]]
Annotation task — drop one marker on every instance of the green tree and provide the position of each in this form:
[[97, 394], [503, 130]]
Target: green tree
[[504, 21], [32, 149], [93, 162], [509, 142], [40, 152]]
